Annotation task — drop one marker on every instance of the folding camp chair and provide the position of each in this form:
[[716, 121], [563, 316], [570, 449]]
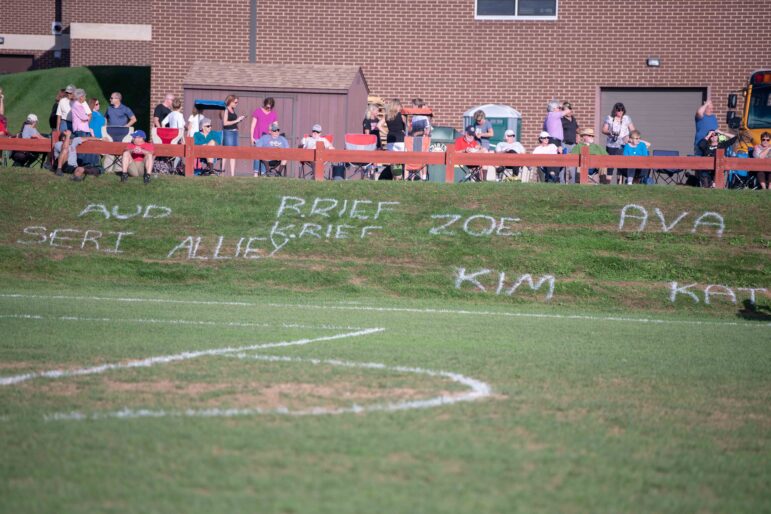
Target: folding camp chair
[[741, 179], [201, 166], [24, 159], [416, 144], [113, 163], [668, 176], [366, 142], [307, 169], [472, 173], [166, 136]]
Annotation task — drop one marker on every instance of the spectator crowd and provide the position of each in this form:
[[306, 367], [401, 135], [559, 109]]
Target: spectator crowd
[[78, 118]]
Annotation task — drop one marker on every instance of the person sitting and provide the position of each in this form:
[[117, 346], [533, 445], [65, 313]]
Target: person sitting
[[273, 139], [206, 137], [546, 147], [763, 151], [138, 157], [66, 156], [708, 147], [309, 142], [587, 139], [509, 145], [635, 147], [28, 131], [468, 143]]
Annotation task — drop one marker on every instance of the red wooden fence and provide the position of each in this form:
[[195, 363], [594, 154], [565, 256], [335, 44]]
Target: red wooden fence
[[719, 164]]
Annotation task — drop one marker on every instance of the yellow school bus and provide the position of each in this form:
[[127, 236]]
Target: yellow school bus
[[756, 116]]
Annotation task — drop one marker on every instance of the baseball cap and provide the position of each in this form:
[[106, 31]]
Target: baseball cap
[[509, 133], [70, 89], [274, 126], [470, 130], [543, 134], [139, 133], [316, 128], [32, 118]]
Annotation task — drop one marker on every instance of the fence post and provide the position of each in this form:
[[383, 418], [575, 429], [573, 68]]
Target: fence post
[[720, 168], [318, 161], [449, 165], [583, 165], [189, 159]]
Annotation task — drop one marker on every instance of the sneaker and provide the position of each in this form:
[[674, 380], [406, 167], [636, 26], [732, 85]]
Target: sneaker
[[59, 172], [76, 178], [147, 178], [124, 177]]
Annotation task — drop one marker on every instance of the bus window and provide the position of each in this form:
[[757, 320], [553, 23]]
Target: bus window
[[759, 115]]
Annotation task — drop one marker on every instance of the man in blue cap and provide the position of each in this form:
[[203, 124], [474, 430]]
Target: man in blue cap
[[138, 157]]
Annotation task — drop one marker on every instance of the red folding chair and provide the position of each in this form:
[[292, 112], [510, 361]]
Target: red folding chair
[[416, 144], [366, 142]]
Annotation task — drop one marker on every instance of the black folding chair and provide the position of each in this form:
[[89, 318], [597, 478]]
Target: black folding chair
[[668, 176]]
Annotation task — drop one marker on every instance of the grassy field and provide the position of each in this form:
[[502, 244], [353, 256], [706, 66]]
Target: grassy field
[[349, 374], [35, 91]]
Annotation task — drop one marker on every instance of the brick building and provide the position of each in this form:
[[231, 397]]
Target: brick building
[[454, 54]]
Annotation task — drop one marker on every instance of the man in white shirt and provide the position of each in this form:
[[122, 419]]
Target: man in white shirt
[[63, 114]]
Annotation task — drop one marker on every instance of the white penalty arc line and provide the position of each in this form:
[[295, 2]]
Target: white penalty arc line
[[165, 359], [476, 390], [365, 308], [237, 324]]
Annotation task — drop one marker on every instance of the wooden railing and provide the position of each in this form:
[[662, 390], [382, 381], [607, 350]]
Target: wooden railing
[[719, 164]]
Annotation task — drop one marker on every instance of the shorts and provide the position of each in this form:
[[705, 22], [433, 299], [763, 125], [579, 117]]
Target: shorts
[[229, 138], [69, 168], [395, 147], [136, 168]]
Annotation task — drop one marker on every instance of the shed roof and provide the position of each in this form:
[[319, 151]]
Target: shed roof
[[278, 77]]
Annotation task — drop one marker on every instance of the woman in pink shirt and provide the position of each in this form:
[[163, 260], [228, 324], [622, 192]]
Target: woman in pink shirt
[[81, 114], [262, 117]]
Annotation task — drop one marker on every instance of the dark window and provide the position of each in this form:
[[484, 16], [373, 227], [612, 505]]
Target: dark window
[[516, 8], [760, 108]]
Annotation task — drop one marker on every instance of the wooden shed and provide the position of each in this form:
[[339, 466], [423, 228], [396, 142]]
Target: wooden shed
[[333, 96]]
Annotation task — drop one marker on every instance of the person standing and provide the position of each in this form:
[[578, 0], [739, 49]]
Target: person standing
[[371, 123], [63, 114], [175, 119], [553, 122], [118, 114], [97, 120], [80, 114], [230, 121], [162, 110], [262, 118], [706, 122], [483, 128], [617, 127]]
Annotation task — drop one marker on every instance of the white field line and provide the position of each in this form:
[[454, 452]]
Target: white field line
[[477, 390], [364, 308], [238, 324], [165, 359]]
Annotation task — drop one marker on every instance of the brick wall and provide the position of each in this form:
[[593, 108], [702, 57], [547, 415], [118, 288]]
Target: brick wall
[[93, 52], [206, 31], [26, 17], [438, 51]]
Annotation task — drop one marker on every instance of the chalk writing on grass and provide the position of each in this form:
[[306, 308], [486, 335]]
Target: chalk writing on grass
[[89, 239], [497, 283], [149, 211], [707, 222], [713, 292], [478, 225]]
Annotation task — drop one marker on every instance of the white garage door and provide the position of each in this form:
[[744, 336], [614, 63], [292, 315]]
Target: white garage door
[[663, 115]]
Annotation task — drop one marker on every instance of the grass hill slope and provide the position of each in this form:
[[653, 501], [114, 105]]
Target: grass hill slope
[[35, 91], [495, 243]]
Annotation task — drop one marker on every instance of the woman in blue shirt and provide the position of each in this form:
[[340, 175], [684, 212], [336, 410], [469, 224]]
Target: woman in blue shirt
[[97, 122]]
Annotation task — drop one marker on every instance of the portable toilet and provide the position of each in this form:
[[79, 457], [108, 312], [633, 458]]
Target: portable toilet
[[501, 117]]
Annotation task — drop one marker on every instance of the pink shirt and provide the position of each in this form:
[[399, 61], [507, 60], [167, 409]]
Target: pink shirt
[[263, 122], [79, 118]]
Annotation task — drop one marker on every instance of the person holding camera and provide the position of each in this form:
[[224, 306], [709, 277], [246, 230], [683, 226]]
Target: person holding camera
[[617, 127]]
